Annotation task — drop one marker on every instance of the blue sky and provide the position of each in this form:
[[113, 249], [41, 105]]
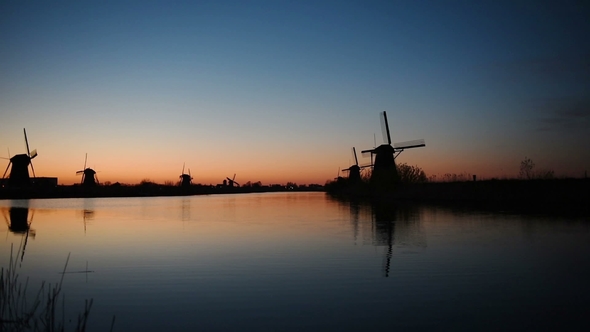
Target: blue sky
[[281, 90]]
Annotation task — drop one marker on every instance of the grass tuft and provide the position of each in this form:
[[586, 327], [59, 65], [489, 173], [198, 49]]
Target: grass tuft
[[17, 313]]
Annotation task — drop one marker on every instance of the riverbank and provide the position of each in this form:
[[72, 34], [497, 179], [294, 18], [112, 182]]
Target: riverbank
[[556, 195], [141, 190]]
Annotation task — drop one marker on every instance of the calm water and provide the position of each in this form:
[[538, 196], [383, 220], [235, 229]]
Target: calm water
[[302, 261]]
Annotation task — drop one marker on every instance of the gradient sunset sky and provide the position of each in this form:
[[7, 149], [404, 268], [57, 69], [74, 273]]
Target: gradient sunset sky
[[279, 91]]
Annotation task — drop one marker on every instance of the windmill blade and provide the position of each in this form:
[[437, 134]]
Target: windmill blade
[[367, 153], [96, 178], [385, 128], [234, 177], [182, 168], [3, 175], [79, 172], [85, 159], [27, 142], [33, 169], [33, 154], [189, 172], [236, 183], [418, 143], [356, 160]]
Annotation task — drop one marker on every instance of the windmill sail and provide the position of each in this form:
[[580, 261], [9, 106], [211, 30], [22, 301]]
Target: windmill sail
[[385, 128], [410, 144]]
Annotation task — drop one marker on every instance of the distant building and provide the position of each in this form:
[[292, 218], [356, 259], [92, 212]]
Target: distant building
[[35, 182], [44, 182]]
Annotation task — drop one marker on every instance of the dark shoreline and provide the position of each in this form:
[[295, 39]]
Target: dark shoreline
[[555, 196], [149, 190]]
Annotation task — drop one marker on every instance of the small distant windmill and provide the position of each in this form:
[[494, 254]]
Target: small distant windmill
[[185, 179], [354, 171], [89, 178], [337, 175], [231, 182], [19, 173], [384, 168]]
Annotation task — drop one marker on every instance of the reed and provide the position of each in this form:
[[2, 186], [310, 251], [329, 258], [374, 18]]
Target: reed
[[41, 312]]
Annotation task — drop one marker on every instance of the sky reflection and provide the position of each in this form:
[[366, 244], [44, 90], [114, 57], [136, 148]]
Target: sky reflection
[[293, 261]]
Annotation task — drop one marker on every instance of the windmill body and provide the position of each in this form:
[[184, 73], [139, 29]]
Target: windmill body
[[384, 168], [354, 171], [185, 179], [231, 182], [89, 178], [19, 172]]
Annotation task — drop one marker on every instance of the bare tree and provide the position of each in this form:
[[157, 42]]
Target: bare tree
[[526, 169]]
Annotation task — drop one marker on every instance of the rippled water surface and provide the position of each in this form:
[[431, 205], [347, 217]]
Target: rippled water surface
[[302, 261]]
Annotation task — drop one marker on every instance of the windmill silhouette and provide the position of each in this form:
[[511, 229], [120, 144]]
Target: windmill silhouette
[[384, 169], [19, 173], [354, 171], [89, 178], [185, 179], [337, 175], [231, 182]]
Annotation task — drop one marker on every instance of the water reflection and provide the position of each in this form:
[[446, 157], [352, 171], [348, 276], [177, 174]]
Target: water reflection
[[18, 222], [87, 215], [288, 261], [393, 226], [185, 209]]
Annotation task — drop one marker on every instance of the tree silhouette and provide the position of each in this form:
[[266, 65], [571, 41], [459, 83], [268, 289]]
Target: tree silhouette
[[411, 174], [526, 168]]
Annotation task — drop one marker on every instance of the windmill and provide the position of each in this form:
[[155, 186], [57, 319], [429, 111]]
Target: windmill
[[354, 171], [231, 182], [89, 178], [384, 169], [337, 175], [185, 179], [19, 173]]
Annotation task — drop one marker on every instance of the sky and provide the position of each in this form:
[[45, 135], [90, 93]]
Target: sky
[[278, 91]]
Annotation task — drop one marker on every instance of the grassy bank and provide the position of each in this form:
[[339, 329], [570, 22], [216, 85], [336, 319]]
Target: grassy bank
[[553, 194]]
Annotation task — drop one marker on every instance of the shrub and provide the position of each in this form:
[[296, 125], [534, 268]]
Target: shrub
[[411, 174]]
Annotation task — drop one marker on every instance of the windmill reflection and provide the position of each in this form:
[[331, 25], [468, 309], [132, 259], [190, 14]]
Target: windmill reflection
[[396, 227], [18, 222], [384, 220], [185, 209], [87, 215]]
